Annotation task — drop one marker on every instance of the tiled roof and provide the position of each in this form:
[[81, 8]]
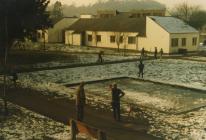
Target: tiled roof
[[173, 25], [119, 23]]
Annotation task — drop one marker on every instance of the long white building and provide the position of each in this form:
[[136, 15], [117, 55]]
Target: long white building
[[128, 32]]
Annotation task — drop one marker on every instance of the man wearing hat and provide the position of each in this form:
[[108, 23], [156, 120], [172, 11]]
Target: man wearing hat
[[116, 95]]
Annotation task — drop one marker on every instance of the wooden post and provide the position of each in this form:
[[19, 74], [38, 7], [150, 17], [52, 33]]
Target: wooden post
[[101, 135], [80, 127], [5, 69], [73, 129]]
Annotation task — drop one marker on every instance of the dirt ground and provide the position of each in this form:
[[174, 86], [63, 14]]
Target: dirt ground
[[61, 109]]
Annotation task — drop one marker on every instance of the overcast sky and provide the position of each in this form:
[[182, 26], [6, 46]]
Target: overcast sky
[[169, 3]]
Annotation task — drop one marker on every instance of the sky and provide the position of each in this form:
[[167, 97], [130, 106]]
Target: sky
[[168, 3]]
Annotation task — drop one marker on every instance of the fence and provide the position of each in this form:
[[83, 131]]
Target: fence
[[80, 127]]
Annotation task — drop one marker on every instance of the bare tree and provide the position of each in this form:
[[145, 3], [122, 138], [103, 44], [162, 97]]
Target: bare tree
[[198, 19], [125, 36], [184, 11], [118, 40], [94, 36]]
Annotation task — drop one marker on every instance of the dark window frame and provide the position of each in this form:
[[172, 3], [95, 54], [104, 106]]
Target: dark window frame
[[121, 39], [184, 42], [89, 38], [99, 38], [131, 40], [194, 41], [112, 39], [174, 42]]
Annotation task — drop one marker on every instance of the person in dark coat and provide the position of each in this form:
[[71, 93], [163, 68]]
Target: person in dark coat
[[161, 53], [80, 102], [116, 95], [14, 78], [100, 59], [142, 53], [141, 69], [155, 53]]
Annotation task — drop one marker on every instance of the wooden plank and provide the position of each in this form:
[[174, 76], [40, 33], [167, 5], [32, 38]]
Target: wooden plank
[[86, 129]]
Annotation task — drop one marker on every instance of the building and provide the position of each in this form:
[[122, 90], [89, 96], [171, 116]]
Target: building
[[42, 36], [203, 35], [169, 33], [132, 14], [144, 13], [131, 32], [56, 33], [115, 32], [87, 16]]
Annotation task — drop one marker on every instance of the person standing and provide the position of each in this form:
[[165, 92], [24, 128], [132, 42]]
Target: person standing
[[155, 53], [100, 59], [142, 53], [80, 102], [161, 53], [15, 78], [116, 95], [141, 69]]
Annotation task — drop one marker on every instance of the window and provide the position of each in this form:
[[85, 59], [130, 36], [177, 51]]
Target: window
[[43, 35], [183, 41], [135, 15], [112, 39], [174, 42], [131, 40], [98, 38], [121, 39], [38, 35], [194, 41], [146, 14], [204, 43], [89, 38]]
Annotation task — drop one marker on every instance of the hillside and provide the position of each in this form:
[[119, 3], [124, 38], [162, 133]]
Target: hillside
[[121, 5]]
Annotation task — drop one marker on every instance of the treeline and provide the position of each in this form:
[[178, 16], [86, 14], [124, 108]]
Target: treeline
[[121, 5]]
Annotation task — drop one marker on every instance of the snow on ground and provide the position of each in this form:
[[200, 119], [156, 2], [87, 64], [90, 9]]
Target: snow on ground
[[22, 124], [157, 104], [80, 59], [181, 72], [75, 49], [197, 58], [160, 103]]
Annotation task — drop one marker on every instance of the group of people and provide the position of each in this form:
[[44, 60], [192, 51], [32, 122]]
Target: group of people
[[141, 65], [116, 93], [155, 53], [115, 102]]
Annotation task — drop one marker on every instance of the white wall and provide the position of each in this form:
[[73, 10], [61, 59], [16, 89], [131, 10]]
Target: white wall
[[43, 36], [156, 36], [72, 38], [68, 37], [56, 32], [189, 38], [105, 39], [86, 16]]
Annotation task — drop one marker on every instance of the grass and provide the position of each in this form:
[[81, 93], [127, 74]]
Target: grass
[[26, 57]]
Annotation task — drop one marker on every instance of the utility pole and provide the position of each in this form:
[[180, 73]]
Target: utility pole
[[5, 66], [44, 35]]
